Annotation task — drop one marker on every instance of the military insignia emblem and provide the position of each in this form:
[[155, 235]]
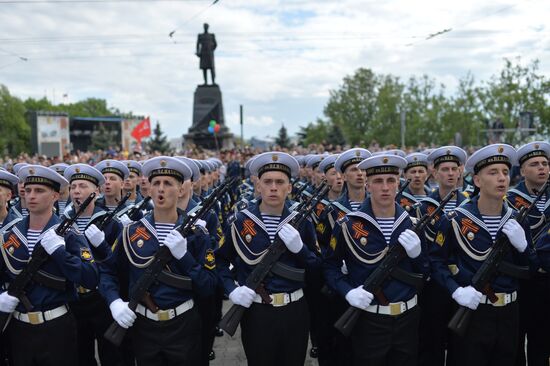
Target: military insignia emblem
[[248, 231], [341, 215], [453, 268], [448, 152], [363, 241], [77, 170], [415, 158], [500, 149], [359, 232], [385, 160], [141, 232], [11, 244], [274, 157], [357, 153], [468, 228], [31, 171], [210, 259], [163, 163], [320, 227], [470, 236], [537, 146], [85, 254], [432, 222], [440, 239], [128, 164], [108, 163], [333, 243], [140, 243], [11, 250]]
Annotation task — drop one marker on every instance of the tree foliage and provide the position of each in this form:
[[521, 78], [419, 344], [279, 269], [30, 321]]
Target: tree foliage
[[14, 130], [158, 142], [282, 140]]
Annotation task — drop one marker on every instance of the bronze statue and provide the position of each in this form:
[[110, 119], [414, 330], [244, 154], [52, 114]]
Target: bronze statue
[[206, 44]]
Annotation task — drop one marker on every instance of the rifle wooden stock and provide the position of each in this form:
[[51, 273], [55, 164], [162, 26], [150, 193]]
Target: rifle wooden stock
[[380, 275], [115, 333], [232, 318]]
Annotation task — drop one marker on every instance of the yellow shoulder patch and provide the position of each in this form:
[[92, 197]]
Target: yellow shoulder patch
[[86, 254], [210, 259], [440, 239], [320, 228], [333, 243]]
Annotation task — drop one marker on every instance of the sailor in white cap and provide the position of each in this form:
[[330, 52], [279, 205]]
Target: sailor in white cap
[[361, 239], [168, 330], [18, 206], [115, 172], [354, 192], [91, 311], [464, 239], [47, 331], [132, 181], [8, 182], [534, 297], [416, 172], [448, 164], [64, 193], [249, 235]]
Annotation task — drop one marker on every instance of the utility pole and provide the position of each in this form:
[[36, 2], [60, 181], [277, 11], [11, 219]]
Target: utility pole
[[403, 126], [242, 134]]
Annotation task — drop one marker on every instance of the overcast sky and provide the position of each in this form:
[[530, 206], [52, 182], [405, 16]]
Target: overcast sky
[[279, 58]]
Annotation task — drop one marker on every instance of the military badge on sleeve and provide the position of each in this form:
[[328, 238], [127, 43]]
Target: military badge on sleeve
[[210, 259]]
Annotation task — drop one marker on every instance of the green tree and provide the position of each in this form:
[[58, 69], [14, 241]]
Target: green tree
[[336, 137], [158, 142], [102, 139], [282, 139], [313, 133], [14, 129]]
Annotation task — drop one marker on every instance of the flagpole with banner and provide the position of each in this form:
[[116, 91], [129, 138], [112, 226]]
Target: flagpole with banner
[[142, 129]]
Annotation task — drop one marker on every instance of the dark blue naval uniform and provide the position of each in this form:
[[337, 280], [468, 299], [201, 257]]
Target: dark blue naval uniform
[[245, 242], [534, 298], [91, 311], [358, 241], [176, 340], [53, 341], [436, 305], [408, 201], [461, 245], [17, 209]]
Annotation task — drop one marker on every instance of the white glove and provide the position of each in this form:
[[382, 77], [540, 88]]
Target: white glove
[[94, 235], [8, 303], [125, 220], [516, 234], [243, 296], [122, 314], [51, 241], [411, 242], [176, 243], [291, 237], [344, 268], [359, 297], [467, 296]]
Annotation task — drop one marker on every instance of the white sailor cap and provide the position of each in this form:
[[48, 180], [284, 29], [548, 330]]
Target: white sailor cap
[[113, 166], [314, 161], [306, 159], [300, 159], [447, 153], [133, 167], [217, 162], [167, 166], [17, 167], [275, 161], [349, 157], [492, 154], [59, 167], [7, 179], [211, 165], [84, 172], [383, 164], [328, 163], [416, 159], [532, 150], [38, 174], [248, 162], [195, 171], [397, 152]]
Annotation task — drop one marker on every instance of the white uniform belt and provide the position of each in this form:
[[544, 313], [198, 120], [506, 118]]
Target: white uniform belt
[[39, 317], [283, 298], [503, 299], [167, 314], [394, 308]]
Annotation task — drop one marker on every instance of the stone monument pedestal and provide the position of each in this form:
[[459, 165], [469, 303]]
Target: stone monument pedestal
[[207, 106]]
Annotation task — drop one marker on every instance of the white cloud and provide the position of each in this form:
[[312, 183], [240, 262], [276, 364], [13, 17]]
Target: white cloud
[[279, 58]]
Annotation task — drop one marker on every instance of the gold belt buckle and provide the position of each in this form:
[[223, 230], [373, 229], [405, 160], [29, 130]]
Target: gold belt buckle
[[82, 290], [500, 299], [163, 315], [35, 318], [278, 299], [395, 308]]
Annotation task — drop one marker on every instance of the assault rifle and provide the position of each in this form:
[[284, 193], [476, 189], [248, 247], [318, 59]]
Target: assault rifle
[[232, 318], [490, 268], [133, 212], [403, 187], [105, 219], [389, 267], [154, 272], [31, 272]]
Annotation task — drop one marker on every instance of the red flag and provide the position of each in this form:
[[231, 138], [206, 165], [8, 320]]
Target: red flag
[[143, 129]]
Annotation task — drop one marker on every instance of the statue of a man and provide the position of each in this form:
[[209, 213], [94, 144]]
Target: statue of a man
[[206, 44]]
